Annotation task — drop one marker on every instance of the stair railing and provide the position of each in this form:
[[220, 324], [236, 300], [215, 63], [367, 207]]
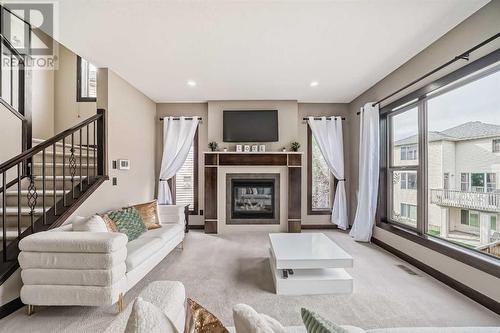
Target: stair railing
[[91, 134]]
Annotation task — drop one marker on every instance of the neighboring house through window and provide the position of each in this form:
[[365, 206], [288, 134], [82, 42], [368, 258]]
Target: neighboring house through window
[[409, 153], [409, 211], [86, 84], [320, 181], [186, 180]]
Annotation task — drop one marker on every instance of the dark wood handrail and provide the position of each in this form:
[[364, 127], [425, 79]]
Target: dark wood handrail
[[47, 143]]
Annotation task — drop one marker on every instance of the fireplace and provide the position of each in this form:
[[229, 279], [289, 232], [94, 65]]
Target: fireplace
[[252, 199]]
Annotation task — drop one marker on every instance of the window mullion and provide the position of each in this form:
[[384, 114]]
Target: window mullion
[[422, 168]]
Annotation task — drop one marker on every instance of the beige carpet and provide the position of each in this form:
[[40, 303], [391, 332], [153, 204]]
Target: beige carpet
[[220, 271]]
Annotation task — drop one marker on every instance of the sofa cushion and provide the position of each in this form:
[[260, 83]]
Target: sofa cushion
[[94, 223], [166, 232], [76, 277], [247, 320], [129, 222], [147, 318], [71, 260], [77, 241], [168, 296], [140, 250]]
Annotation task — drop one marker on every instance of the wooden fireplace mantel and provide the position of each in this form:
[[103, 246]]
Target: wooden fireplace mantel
[[291, 160]]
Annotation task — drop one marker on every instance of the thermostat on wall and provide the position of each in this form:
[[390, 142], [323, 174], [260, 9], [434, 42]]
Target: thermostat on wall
[[123, 164]]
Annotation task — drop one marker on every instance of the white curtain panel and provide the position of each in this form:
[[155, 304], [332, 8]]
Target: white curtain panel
[[178, 137], [369, 158], [328, 135]]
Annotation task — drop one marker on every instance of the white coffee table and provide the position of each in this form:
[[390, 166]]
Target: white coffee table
[[309, 264]]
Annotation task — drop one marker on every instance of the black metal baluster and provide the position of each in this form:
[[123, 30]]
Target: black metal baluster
[[43, 187], [32, 199], [4, 217], [19, 173], [64, 171], [94, 147], [72, 165], [88, 155], [54, 194], [81, 182]]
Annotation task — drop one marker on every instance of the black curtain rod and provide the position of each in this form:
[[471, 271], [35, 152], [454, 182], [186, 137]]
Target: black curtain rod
[[463, 56], [177, 118], [327, 118]]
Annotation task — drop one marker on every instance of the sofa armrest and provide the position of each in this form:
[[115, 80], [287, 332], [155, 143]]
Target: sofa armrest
[[75, 241], [171, 214]]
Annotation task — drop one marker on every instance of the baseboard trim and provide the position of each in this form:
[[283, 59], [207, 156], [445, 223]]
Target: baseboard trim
[[10, 307], [473, 294], [196, 227], [318, 226]]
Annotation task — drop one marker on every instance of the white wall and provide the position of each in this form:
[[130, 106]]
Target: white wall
[[477, 28]]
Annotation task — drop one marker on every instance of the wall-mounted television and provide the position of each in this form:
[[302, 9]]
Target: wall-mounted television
[[250, 125]]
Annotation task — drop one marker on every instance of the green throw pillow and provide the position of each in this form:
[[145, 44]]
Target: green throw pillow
[[128, 221], [314, 323]]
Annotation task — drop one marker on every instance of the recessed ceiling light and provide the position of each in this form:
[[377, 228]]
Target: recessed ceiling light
[[191, 83], [314, 83]]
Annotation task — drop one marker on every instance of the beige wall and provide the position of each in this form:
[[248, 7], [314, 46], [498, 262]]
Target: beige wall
[[11, 129], [42, 104], [478, 27], [185, 109], [287, 120], [131, 135], [67, 111]]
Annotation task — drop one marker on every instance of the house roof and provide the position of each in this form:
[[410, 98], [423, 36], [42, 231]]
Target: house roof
[[466, 131]]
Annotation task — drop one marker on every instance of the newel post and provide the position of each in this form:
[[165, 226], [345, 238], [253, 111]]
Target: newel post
[[101, 143]]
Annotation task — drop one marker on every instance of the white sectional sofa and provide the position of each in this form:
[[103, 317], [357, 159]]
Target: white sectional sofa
[[66, 267]]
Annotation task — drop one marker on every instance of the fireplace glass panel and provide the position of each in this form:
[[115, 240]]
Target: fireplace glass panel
[[252, 199]]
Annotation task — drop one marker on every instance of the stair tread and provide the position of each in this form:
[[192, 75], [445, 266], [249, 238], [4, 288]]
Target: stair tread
[[25, 192], [39, 164], [12, 210], [60, 145], [11, 233], [49, 178]]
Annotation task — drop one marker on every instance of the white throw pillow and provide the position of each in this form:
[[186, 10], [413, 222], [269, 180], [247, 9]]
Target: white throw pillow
[[147, 318], [92, 224], [247, 320]]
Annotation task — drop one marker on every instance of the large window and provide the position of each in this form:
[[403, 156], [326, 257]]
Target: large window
[[321, 182], [186, 180], [450, 137], [86, 81]]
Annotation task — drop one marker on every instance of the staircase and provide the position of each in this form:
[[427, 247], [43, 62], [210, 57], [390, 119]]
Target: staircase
[[43, 186]]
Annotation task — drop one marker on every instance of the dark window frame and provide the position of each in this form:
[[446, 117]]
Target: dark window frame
[[480, 261], [192, 210], [333, 188], [495, 143], [79, 97]]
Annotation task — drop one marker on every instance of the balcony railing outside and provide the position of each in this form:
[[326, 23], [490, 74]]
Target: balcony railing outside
[[481, 201]]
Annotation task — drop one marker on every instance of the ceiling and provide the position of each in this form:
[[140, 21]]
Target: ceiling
[[255, 50]]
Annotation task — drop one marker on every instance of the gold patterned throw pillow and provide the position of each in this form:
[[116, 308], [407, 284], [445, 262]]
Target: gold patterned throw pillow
[[200, 320], [149, 213]]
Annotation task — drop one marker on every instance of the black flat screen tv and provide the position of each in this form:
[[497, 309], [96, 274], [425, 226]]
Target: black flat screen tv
[[250, 126]]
